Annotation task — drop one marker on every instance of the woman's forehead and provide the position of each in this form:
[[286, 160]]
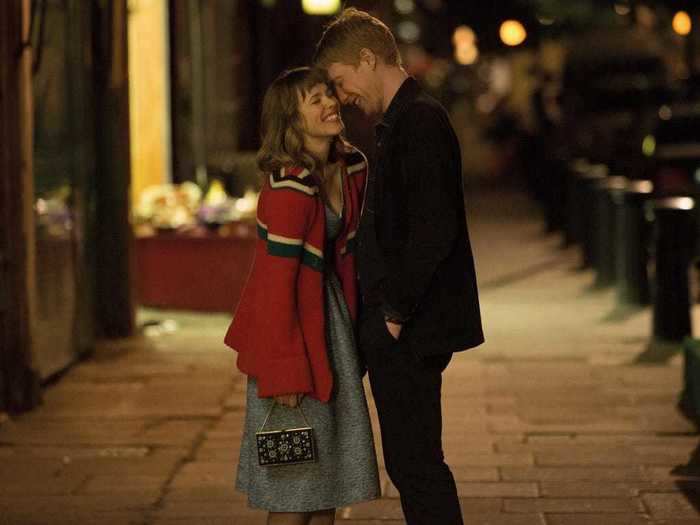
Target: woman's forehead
[[316, 89]]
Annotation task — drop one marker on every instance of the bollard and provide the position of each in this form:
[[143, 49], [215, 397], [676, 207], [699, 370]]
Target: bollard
[[555, 195], [587, 202], [674, 236], [605, 228], [632, 243], [573, 233]]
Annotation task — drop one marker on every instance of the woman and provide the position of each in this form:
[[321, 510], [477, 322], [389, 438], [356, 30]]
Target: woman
[[293, 328]]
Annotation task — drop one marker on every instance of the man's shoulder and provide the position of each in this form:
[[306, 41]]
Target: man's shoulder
[[423, 113]]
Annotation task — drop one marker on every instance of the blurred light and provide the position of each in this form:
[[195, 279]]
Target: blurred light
[[645, 16], [682, 24], [501, 78], [268, 3], [512, 33], [545, 20], [486, 103], [466, 54], [684, 203], [433, 5], [405, 7], [665, 113], [463, 35], [622, 9], [320, 7], [408, 31], [649, 145], [696, 175]]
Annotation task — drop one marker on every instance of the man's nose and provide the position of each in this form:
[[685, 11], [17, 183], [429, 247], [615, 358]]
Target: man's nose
[[342, 95]]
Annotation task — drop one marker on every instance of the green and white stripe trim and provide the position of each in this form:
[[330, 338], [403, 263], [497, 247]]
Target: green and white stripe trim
[[282, 246]]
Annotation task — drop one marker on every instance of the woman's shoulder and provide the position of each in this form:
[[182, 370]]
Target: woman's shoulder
[[295, 178]]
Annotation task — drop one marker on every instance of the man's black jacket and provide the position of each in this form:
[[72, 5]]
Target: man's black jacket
[[414, 256]]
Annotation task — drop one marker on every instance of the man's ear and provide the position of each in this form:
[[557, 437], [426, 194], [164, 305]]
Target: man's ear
[[368, 57]]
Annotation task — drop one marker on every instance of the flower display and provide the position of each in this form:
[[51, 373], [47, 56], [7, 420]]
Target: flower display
[[182, 206]]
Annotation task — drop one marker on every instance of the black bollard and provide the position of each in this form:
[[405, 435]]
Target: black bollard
[[633, 244], [574, 215], [674, 236], [605, 230], [587, 196]]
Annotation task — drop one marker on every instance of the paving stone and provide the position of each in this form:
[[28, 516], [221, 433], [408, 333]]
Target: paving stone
[[258, 519], [583, 473], [574, 505], [159, 462], [603, 489], [490, 460], [104, 483], [598, 519], [205, 473], [391, 508], [76, 431], [197, 508], [461, 473], [597, 456], [20, 482], [671, 506], [502, 489], [73, 518]]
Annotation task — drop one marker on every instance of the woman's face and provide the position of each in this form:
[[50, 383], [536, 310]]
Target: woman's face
[[320, 112]]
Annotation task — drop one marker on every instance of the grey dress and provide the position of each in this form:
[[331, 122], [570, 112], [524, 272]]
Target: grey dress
[[345, 471]]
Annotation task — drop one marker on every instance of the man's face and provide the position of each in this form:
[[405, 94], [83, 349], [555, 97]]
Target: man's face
[[359, 86]]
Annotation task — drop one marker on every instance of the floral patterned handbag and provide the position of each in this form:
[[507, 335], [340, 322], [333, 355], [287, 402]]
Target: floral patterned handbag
[[287, 446]]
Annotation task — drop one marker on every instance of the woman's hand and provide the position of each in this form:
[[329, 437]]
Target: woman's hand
[[290, 400]]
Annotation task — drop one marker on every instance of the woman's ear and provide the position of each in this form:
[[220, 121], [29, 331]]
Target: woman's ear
[[368, 57]]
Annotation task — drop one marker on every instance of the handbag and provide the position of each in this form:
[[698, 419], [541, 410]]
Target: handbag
[[287, 446]]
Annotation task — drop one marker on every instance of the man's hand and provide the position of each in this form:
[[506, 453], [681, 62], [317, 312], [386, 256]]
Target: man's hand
[[394, 329], [290, 400]]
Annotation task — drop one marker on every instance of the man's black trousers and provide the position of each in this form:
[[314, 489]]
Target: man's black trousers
[[407, 391]]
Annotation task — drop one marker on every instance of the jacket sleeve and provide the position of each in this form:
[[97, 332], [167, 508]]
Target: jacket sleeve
[[427, 168], [285, 222]]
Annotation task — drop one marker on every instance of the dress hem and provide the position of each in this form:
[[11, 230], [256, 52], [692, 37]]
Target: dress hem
[[344, 503]]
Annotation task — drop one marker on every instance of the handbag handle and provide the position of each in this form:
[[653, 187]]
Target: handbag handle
[[269, 413]]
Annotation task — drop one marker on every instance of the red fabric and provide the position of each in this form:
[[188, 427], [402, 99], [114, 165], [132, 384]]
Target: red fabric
[[203, 273], [278, 328]]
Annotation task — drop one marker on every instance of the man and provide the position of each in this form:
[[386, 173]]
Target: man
[[416, 270]]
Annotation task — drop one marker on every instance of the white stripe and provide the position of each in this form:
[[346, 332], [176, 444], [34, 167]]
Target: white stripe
[[304, 173], [290, 183], [284, 240], [356, 167], [314, 250]]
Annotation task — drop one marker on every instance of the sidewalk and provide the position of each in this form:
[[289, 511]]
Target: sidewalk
[[564, 416]]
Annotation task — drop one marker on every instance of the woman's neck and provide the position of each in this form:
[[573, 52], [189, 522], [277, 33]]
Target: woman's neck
[[319, 149]]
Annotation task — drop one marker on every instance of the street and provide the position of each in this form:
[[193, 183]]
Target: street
[[566, 416]]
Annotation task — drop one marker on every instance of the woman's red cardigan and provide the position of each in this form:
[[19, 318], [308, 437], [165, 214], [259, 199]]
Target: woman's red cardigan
[[278, 328]]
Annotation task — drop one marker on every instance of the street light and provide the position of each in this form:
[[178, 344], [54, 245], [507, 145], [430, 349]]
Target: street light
[[463, 34], [682, 24], [464, 40], [320, 7], [466, 54], [512, 33]]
